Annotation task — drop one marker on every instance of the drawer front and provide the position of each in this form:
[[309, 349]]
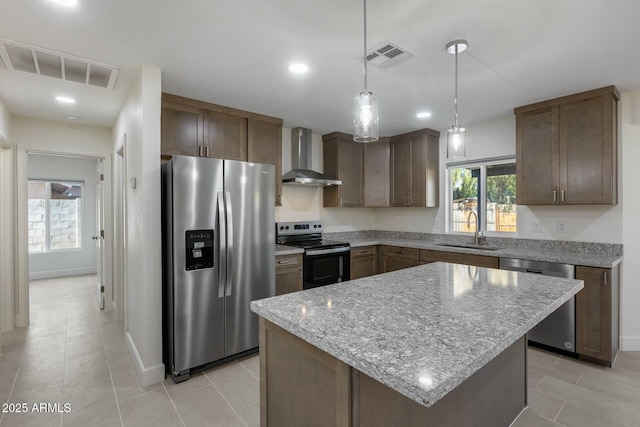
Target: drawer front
[[363, 251], [284, 261], [401, 252]]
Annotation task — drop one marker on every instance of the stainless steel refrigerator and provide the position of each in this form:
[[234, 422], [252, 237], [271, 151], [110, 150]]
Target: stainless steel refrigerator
[[218, 255]]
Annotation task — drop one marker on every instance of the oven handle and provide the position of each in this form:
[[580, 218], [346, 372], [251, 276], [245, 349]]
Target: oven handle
[[312, 252]]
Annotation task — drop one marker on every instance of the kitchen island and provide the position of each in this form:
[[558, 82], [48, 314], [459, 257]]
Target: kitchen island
[[439, 344]]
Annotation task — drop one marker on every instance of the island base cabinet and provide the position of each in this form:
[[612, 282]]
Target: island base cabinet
[[301, 385]]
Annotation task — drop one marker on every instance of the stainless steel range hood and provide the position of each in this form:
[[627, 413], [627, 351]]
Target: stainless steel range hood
[[301, 173]]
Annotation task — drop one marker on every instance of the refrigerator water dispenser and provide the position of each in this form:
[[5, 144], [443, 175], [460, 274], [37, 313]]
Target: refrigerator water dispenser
[[199, 247]]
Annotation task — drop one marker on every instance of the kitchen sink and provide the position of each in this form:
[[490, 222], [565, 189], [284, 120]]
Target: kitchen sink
[[470, 246]]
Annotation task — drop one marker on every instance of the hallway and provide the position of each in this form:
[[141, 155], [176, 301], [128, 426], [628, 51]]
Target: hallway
[[75, 354]]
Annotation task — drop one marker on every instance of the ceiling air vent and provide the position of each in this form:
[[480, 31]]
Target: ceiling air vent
[[43, 62], [388, 54]]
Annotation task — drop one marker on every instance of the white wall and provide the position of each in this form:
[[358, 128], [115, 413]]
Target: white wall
[[630, 293], [139, 119], [7, 226], [74, 261], [5, 125]]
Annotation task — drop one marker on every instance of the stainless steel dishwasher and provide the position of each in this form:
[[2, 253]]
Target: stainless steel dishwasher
[[558, 330]]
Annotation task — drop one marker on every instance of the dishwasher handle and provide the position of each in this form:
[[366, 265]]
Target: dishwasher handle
[[530, 270]]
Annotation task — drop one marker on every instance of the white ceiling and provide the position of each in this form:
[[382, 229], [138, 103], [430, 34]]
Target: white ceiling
[[236, 53]]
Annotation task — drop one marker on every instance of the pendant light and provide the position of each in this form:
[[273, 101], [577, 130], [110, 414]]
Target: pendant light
[[365, 122], [456, 136]]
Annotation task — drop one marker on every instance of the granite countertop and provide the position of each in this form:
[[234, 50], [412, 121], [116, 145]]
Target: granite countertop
[[558, 253], [424, 330], [288, 250]]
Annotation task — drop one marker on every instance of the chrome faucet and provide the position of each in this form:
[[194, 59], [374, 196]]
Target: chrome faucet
[[477, 238]]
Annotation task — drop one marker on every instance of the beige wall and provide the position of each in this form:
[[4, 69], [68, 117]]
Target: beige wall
[[5, 125]]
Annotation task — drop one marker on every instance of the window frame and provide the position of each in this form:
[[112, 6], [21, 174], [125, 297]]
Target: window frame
[[482, 165], [47, 228]]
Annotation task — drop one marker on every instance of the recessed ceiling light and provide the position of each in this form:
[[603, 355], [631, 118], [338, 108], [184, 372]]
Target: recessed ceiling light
[[423, 115], [298, 68], [65, 100], [68, 3], [72, 118]]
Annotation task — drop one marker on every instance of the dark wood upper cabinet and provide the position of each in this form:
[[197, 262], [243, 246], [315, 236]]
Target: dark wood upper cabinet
[[376, 174], [344, 159], [197, 128], [181, 129], [415, 177], [566, 150], [225, 136], [265, 146]]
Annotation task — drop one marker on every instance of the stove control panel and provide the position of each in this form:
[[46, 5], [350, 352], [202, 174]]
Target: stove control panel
[[298, 228]]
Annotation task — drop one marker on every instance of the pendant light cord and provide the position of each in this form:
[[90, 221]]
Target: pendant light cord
[[455, 97], [365, 46]]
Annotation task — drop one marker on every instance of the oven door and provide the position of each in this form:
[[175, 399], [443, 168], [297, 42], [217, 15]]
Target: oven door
[[326, 266]]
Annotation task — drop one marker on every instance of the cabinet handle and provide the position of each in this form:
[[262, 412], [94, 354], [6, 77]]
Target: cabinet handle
[[606, 278], [562, 196], [206, 151], [284, 262], [200, 150], [555, 196]]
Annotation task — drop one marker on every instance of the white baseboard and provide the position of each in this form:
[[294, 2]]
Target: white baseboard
[[61, 273], [146, 376], [630, 343]]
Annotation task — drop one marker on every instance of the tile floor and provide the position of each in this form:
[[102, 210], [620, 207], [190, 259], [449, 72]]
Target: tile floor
[[74, 353]]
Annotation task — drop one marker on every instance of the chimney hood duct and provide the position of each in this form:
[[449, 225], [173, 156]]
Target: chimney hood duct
[[301, 173]]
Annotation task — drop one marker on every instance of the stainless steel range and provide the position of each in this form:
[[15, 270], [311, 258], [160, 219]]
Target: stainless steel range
[[325, 261]]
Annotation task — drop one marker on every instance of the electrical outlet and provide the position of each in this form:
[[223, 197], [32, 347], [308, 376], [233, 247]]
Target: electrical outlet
[[436, 223], [537, 227], [562, 226]]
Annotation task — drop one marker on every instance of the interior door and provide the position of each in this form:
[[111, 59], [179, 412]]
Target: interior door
[[99, 236]]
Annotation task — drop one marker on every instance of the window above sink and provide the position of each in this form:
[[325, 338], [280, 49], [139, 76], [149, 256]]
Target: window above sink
[[486, 188]]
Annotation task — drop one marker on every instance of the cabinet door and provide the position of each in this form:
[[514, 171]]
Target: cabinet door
[[225, 136], [594, 313], [265, 146], [350, 171], [401, 171], [587, 152], [425, 176], [392, 263], [363, 261], [537, 157], [181, 130], [376, 174], [343, 158], [288, 274]]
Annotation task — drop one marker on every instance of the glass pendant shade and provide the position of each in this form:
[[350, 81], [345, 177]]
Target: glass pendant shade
[[365, 122], [456, 142]]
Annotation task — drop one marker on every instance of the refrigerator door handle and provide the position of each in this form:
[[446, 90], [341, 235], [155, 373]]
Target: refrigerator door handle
[[229, 219], [222, 240]]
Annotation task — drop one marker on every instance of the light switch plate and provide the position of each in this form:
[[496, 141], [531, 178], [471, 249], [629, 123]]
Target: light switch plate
[[537, 227]]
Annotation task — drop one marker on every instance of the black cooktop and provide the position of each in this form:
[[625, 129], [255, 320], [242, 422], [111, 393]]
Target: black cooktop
[[316, 244]]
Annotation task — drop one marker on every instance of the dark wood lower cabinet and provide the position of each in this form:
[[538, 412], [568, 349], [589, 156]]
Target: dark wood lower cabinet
[[597, 314], [288, 273], [301, 385], [364, 262], [427, 256], [392, 258]]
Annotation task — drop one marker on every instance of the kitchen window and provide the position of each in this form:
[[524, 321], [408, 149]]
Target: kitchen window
[[486, 188], [54, 212]]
